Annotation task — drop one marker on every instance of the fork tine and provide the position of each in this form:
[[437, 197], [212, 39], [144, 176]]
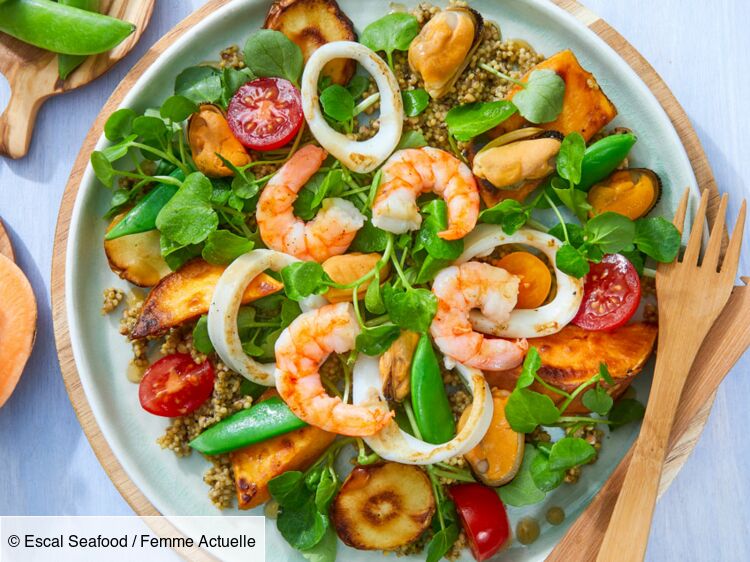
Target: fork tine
[[732, 257], [693, 249], [713, 251], [679, 216]]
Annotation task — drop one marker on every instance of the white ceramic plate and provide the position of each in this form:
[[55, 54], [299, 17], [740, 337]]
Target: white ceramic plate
[[175, 486]]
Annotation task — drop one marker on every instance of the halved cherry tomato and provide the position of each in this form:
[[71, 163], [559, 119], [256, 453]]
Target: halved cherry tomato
[[483, 518], [265, 113], [611, 294], [175, 385]]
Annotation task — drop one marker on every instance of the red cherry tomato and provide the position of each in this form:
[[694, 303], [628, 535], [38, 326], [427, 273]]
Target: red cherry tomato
[[611, 294], [483, 518], [265, 113], [175, 385]]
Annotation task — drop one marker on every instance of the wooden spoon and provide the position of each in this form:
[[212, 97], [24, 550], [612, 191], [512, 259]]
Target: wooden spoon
[[33, 77]]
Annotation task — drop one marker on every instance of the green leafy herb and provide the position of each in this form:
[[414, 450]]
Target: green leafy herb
[[435, 221], [597, 400], [176, 254], [569, 452], [545, 478], [271, 53], [521, 490], [304, 278], [571, 261], [374, 298], [177, 108], [411, 309], [375, 341], [325, 550], [369, 239], [467, 121], [610, 231], [223, 246], [509, 214], [188, 217], [201, 341], [625, 411], [570, 158], [119, 125], [199, 84], [337, 103], [358, 85], [441, 542], [232, 80], [573, 199], [526, 409], [411, 139], [393, 32], [415, 101], [575, 233], [102, 168], [531, 364], [150, 128], [604, 374], [657, 238], [541, 99]]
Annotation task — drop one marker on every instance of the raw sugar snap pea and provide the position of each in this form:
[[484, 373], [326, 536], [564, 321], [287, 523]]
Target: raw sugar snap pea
[[429, 400], [68, 63], [61, 29]]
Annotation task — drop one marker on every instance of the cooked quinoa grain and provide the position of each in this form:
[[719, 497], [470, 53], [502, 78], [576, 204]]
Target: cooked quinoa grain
[[112, 299]]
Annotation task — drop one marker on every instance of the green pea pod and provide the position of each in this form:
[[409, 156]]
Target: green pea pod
[[142, 217], [62, 29], [603, 157], [68, 63], [428, 397], [266, 419]]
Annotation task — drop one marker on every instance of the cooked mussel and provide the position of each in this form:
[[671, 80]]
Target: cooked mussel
[[444, 47], [208, 135], [511, 165], [632, 192]]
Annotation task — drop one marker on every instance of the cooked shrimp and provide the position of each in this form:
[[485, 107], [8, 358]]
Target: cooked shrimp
[[300, 351], [475, 285], [328, 234], [413, 171]]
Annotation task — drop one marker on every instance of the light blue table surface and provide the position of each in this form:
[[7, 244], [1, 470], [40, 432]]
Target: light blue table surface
[[700, 49]]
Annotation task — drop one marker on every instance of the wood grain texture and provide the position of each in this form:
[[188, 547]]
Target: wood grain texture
[[6, 247], [33, 74]]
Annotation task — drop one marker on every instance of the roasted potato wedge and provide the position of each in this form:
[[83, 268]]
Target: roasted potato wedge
[[498, 456], [254, 466], [572, 356], [186, 293], [312, 23], [383, 506], [586, 109], [136, 257]]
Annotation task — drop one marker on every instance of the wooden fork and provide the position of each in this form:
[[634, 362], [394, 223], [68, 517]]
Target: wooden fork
[[691, 296]]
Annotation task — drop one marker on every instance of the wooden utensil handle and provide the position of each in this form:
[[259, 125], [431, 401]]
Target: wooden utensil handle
[[627, 535], [17, 124]]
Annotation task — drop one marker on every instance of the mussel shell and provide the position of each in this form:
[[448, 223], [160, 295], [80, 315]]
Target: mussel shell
[[654, 179]]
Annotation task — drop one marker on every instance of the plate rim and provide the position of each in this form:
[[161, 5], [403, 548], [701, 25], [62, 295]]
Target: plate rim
[[135, 498]]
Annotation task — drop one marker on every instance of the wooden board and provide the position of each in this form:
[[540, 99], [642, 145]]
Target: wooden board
[[129, 491], [6, 248], [33, 76]]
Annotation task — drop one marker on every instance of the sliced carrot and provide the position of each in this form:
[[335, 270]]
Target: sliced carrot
[[17, 325], [536, 279]]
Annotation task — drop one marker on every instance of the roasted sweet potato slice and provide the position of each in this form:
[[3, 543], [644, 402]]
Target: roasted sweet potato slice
[[586, 109], [312, 23], [17, 325], [136, 257], [255, 465], [187, 293], [572, 356]]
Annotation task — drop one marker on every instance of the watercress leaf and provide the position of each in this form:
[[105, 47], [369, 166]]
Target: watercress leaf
[[201, 341], [597, 400], [441, 542], [304, 278], [223, 247], [573, 199], [231, 81], [303, 527], [373, 298], [177, 108], [430, 268], [102, 168], [325, 491], [570, 157], [435, 221], [531, 365], [199, 84], [375, 341], [325, 550], [541, 100], [636, 258], [188, 217], [610, 231], [358, 85], [369, 239], [119, 124], [569, 452], [569, 260], [415, 101], [393, 32], [176, 254], [604, 374], [412, 309], [625, 411], [411, 139], [286, 488], [252, 389], [149, 128], [289, 311], [545, 478], [521, 490], [526, 409], [271, 53], [591, 252], [337, 103], [657, 238], [509, 214], [469, 120], [332, 185], [120, 149], [252, 349], [575, 233]]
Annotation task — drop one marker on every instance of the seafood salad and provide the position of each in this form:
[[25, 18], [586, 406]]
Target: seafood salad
[[397, 278]]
